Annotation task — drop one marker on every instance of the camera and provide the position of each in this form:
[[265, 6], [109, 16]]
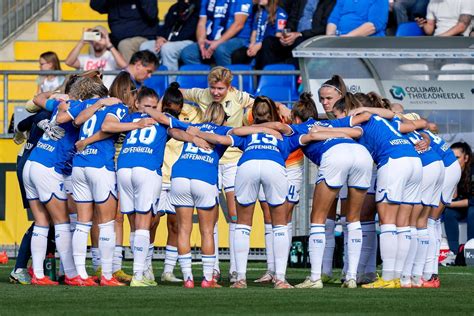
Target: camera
[[92, 36]]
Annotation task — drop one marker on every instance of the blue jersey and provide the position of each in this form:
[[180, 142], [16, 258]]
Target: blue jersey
[[220, 16], [315, 150], [266, 147], [99, 154], [442, 148], [197, 163], [383, 141], [57, 154], [263, 28], [428, 156]]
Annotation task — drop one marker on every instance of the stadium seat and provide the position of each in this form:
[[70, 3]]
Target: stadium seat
[[195, 81], [247, 79], [460, 66], [409, 29], [281, 88], [158, 83]]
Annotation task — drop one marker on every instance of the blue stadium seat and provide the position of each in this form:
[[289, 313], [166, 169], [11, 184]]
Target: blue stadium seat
[[196, 81], [158, 83], [247, 79], [280, 88], [409, 29]]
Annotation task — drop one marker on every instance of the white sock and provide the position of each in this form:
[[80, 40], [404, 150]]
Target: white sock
[[241, 249], [140, 252], [73, 221], [117, 261], [232, 267], [269, 247], [185, 263], [388, 250], [410, 260], [131, 240], [280, 250], [346, 253], [368, 235], [63, 239], [290, 235], [317, 241], [208, 266], [421, 252], [171, 256], [79, 247], [438, 245], [95, 253], [149, 256], [403, 247], [371, 266], [354, 247], [39, 243], [431, 252], [216, 247], [106, 247], [329, 248]]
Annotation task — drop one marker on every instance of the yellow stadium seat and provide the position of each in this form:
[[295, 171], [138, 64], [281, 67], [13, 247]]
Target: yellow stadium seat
[[64, 31]]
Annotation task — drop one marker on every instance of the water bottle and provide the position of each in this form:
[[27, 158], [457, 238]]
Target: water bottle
[[50, 266]]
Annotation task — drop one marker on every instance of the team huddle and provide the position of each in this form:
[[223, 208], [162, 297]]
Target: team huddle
[[174, 158]]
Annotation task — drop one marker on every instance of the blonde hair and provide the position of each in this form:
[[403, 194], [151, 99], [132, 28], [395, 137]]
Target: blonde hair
[[86, 88], [220, 74], [214, 114]]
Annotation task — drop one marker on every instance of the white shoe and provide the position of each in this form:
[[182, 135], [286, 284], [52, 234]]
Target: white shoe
[[169, 277], [233, 277], [308, 284], [349, 284], [449, 260]]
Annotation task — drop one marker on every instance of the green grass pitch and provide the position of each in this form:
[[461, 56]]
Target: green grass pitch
[[456, 296]]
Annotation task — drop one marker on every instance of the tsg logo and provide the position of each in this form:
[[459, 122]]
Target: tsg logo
[[397, 93]]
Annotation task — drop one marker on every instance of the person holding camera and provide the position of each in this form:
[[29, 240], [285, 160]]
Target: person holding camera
[[102, 54]]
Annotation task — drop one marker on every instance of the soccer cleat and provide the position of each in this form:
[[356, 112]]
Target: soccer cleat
[[45, 281], [282, 284], [380, 284], [111, 282], [121, 276], [148, 273], [89, 282], [189, 284], [233, 277], [142, 283], [417, 282], [212, 284], [239, 284], [3, 257], [405, 282], [20, 276], [432, 283], [397, 283], [75, 281], [367, 278], [329, 279], [216, 275], [266, 278], [308, 284], [169, 277], [349, 284]]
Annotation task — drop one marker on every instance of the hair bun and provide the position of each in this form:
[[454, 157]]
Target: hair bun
[[306, 96], [174, 85]]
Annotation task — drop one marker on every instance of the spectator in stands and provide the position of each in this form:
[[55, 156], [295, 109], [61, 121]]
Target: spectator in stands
[[103, 56], [131, 22], [462, 207], [142, 65], [223, 27], [49, 61], [269, 20], [306, 19], [447, 18], [178, 32], [407, 10], [358, 18]]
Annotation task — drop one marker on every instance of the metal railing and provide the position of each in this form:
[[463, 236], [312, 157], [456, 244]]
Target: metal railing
[[7, 73], [18, 14]]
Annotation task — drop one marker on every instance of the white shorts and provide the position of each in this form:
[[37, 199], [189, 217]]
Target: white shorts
[[42, 183], [164, 205], [432, 183], [452, 175], [343, 193], [399, 181], [266, 173], [346, 163], [226, 174], [193, 193], [93, 184], [139, 190], [295, 179], [68, 184]]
